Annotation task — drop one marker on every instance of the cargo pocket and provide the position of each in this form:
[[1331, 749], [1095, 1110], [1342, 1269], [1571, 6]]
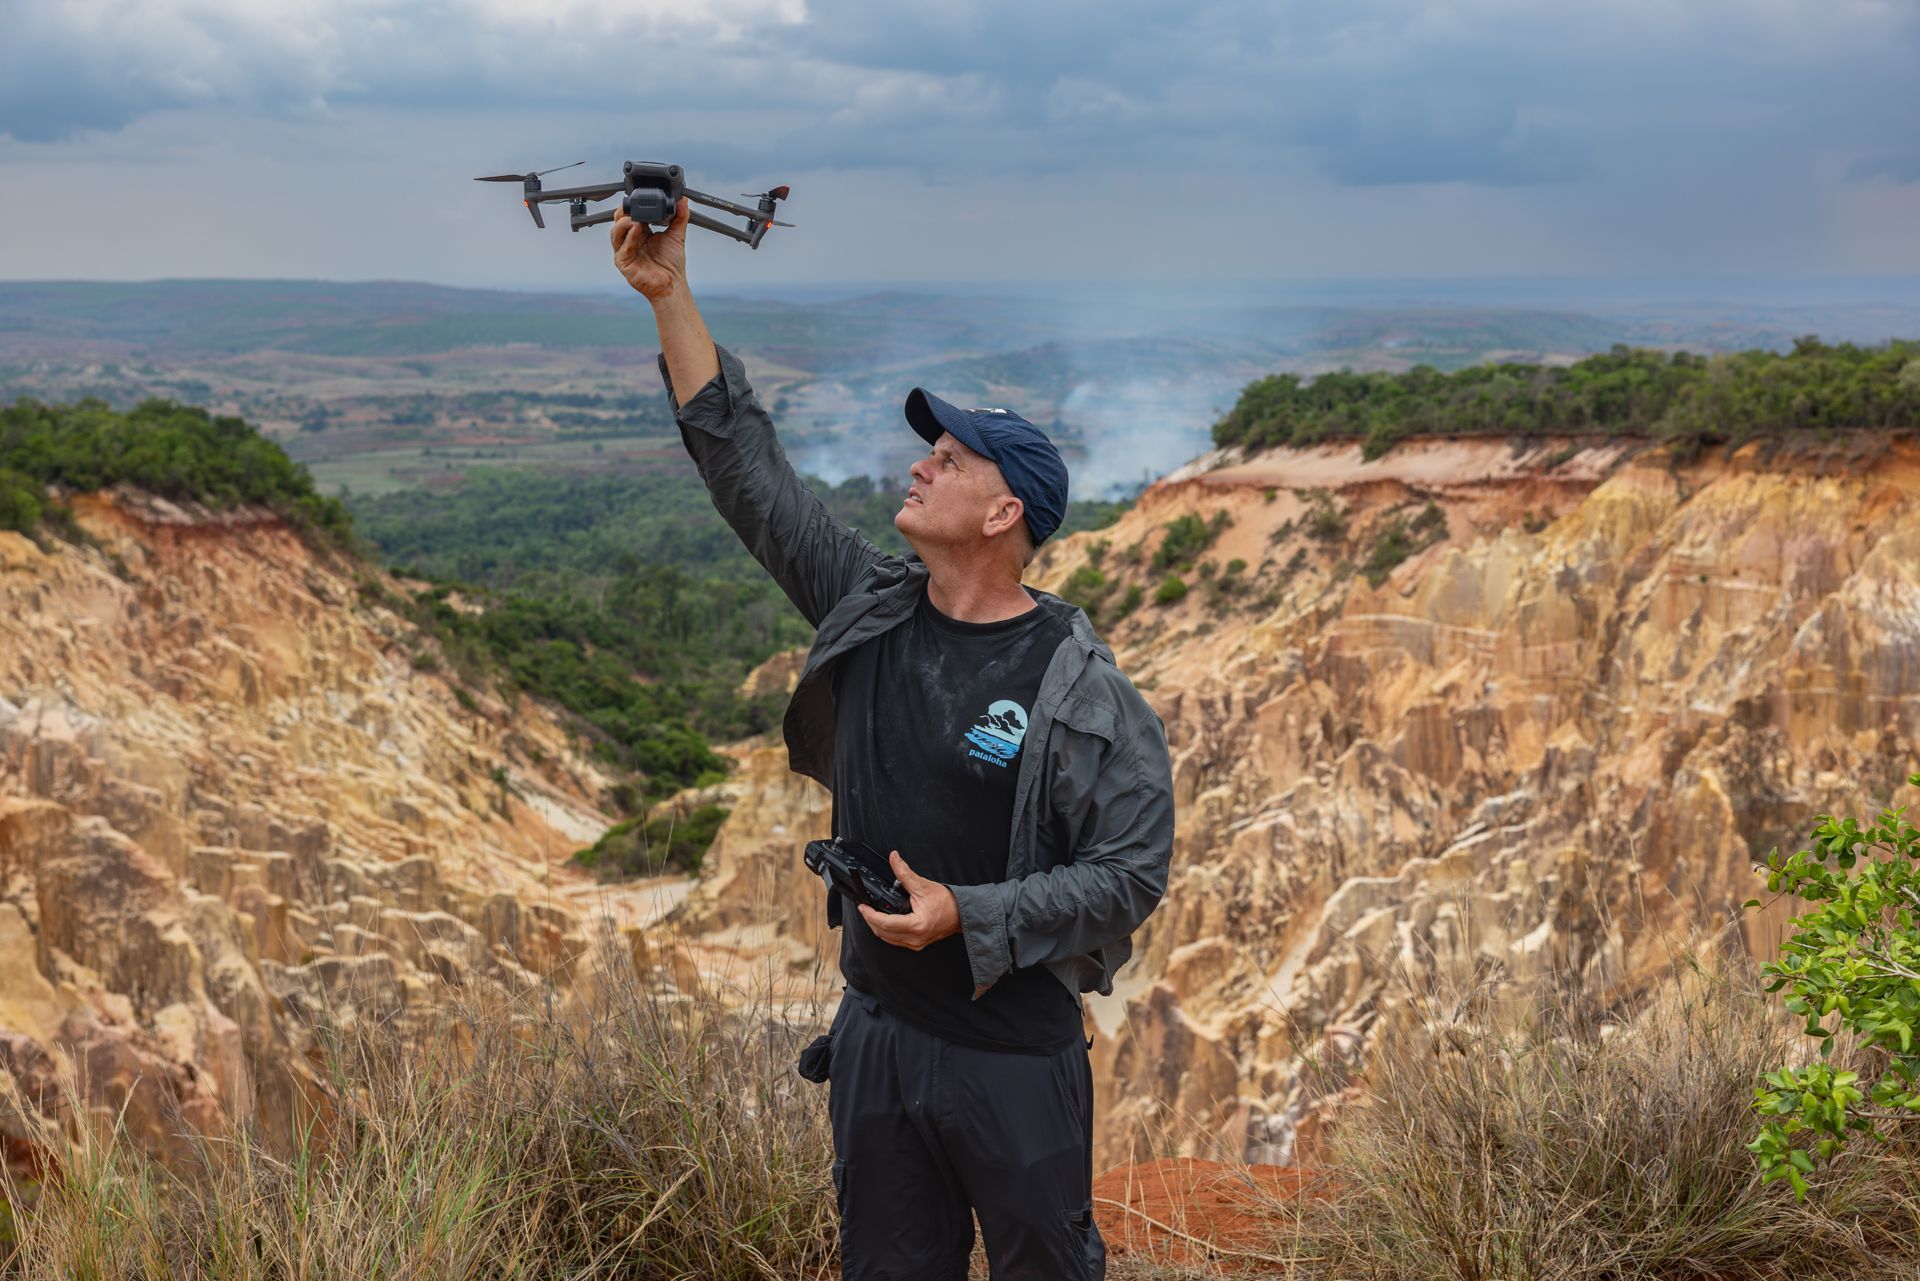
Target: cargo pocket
[[1084, 1245], [816, 1061]]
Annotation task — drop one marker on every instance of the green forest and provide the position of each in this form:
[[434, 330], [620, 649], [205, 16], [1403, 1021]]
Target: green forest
[[1687, 400]]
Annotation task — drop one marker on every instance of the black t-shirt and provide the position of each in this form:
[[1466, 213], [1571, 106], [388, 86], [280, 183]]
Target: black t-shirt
[[932, 718]]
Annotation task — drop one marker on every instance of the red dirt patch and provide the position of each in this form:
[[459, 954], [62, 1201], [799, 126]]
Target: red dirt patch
[[1187, 1211]]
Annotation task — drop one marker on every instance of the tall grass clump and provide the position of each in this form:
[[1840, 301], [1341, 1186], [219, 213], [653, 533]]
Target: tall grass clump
[[625, 1131], [1572, 1149]]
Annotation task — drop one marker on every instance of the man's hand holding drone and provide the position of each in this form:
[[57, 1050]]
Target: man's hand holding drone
[[653, 262]]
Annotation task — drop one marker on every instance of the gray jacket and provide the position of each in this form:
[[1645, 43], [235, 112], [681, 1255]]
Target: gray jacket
[[1103, 787]]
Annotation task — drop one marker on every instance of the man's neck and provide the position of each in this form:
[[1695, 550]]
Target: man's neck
[[979, 595]]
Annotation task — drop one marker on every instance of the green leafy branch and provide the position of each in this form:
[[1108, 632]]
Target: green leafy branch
[[1851, 963]]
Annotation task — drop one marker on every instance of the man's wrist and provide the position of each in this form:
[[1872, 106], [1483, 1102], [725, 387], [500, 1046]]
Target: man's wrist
[[676, 296]]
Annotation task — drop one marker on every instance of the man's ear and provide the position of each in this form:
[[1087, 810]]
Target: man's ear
[[1003, 516]]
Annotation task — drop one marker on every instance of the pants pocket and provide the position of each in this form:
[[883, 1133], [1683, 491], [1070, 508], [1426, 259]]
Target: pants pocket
[[1084, 1244], [816, 1061]]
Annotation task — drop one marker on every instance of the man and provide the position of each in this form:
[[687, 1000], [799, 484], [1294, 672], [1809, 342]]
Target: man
[[981, 734]]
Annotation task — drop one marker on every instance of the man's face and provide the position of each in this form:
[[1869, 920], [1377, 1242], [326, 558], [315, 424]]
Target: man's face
[[953, 491]]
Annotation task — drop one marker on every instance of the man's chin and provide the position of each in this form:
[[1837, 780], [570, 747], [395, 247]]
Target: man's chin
[[908, 526]]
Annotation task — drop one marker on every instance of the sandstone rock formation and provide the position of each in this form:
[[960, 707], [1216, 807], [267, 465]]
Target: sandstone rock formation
[[232, 810], [1549, 743]]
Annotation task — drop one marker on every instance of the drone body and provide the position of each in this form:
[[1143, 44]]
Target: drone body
[[649, 192]]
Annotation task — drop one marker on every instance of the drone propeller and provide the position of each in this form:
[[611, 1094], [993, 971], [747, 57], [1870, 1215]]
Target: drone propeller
[[767, 201], [522, 177]]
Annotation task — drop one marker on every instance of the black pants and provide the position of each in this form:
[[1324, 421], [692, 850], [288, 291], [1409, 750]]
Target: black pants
[[926, 1134]]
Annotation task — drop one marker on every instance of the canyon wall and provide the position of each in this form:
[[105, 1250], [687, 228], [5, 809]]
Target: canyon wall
[[238, 805], [1461, 719]]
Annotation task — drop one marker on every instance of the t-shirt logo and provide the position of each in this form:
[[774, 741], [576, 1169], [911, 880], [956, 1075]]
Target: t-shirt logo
[[996, 735]]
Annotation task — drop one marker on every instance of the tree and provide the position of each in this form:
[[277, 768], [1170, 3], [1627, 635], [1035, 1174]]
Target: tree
[[1854, 959]]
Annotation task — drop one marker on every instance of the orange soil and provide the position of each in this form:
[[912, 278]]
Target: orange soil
[[1188, 1211]]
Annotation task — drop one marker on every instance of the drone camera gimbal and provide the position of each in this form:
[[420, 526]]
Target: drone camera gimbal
[[649, 192]]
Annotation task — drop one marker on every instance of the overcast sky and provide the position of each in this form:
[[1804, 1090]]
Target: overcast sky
[[1270, 140]]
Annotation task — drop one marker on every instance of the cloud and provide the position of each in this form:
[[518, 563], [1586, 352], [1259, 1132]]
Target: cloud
[[1368, 92], [71, 66]]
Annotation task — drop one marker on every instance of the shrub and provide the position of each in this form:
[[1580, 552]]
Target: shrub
[[1088, 588], [20, 502], [1392, 546], [1186, 537], [635, 848], [1325, 521], [1854, 958], [1170, 590]]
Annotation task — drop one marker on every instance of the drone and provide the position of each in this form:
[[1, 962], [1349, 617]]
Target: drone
[[649, 192]]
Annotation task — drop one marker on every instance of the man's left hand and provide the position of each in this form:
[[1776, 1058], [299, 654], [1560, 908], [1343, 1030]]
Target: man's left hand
[[935, 915]]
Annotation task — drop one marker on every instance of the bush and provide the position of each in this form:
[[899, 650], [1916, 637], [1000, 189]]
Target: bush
[[1088, 588], [20, 502], [1392, 546], [1325, 521], [633, 848], [1855, 958], [1170, 590], [1186, 537]]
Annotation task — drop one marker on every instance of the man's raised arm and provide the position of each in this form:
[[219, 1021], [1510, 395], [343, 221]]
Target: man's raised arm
[[815, 559]]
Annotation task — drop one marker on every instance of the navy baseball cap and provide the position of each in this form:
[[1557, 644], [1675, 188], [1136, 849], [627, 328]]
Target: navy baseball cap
[[1035, 472]]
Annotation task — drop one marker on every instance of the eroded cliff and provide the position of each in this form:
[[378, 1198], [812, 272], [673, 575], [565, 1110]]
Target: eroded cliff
[[233, 810], [1465, 716]]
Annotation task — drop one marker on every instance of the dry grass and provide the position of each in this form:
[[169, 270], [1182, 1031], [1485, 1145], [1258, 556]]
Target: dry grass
[[1574, 1150], [643, 1137]]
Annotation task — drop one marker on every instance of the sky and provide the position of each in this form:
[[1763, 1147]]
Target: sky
[[1209, 142]]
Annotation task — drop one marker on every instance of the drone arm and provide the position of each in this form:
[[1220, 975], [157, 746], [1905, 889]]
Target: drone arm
[[727, 206], [599, 191], [701, 220], [698, 220]]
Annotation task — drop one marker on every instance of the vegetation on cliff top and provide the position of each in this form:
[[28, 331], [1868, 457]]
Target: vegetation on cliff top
[[1685, 399], [180, 452]]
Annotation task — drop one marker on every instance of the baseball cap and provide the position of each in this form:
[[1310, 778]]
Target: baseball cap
[[1033, 468]]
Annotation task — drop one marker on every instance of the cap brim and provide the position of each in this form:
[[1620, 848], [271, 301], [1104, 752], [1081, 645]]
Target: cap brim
[[929, 416]]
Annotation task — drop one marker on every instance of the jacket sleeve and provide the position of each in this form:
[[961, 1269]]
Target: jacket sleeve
[[1117, 874], [814, 558]]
